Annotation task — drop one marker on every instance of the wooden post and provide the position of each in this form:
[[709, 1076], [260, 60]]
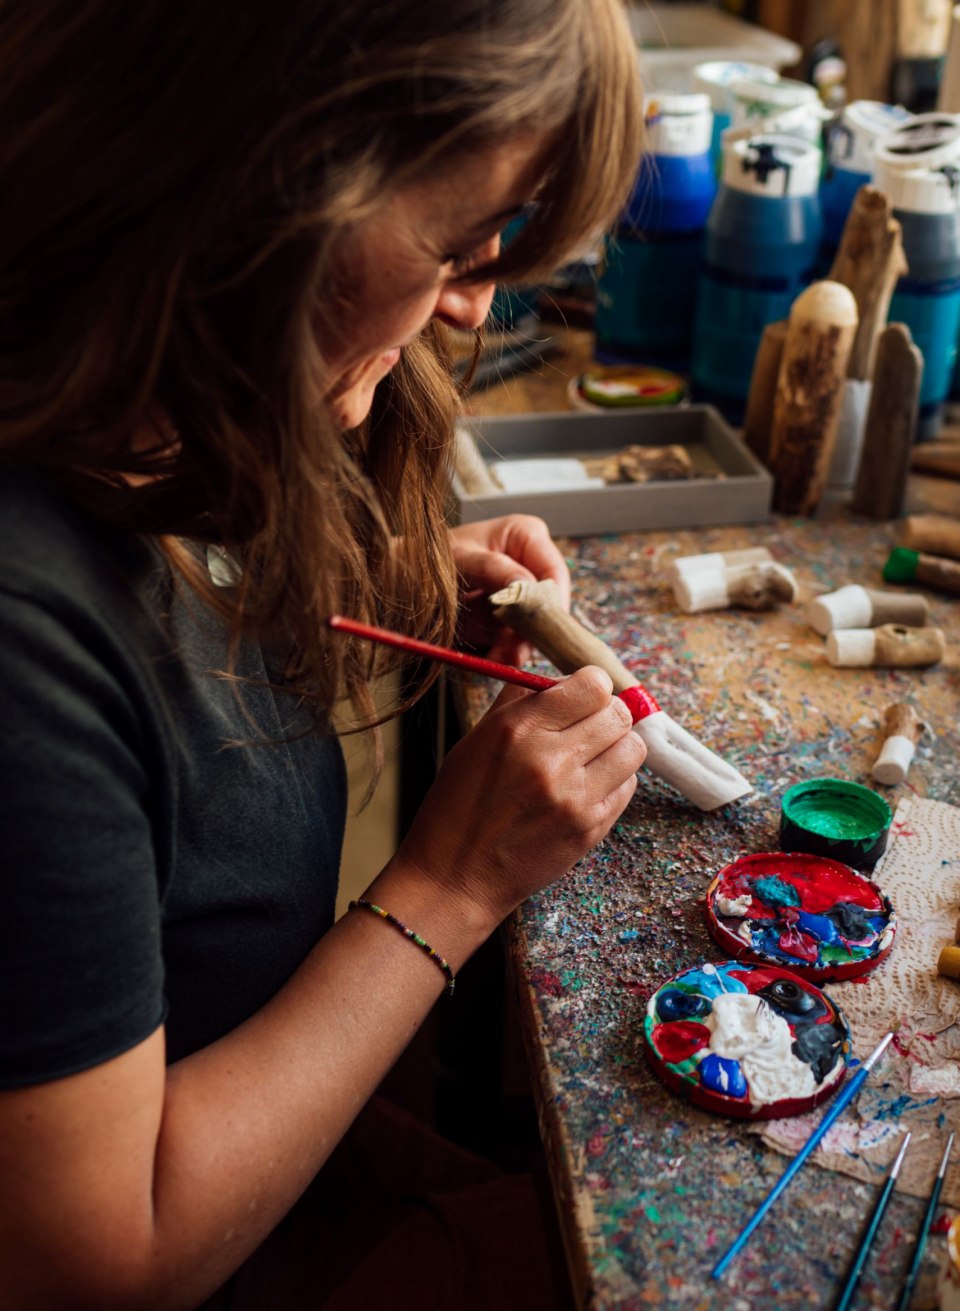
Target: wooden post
[[869, 260], [763, 389], [891, 425], [806, 411]]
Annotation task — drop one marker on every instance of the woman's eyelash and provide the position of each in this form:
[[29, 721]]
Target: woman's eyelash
[[461, 263]]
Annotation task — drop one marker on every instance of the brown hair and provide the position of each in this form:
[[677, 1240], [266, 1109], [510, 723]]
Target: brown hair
[[176, 178]]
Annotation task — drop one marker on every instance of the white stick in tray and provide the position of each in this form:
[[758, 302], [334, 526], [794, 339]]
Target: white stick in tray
[[534, 610]]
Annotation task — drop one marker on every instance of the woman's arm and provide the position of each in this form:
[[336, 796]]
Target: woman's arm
[[131, 1185]]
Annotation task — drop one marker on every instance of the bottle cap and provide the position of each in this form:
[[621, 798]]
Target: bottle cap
[[901, 566], [835, 818], [771, 165]]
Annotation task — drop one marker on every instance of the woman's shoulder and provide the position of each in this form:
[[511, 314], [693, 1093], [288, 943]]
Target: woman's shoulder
[[56, 555]]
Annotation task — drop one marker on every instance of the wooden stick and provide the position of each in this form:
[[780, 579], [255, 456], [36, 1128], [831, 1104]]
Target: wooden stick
[[889, 647], [806, 411], [854, 606], [870, 261], [902, 730], [935, 534], [756, 586], [763, 390], [891, 426], [533, 609]]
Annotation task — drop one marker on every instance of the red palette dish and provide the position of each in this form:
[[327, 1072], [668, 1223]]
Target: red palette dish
[[748, 1041], [805, 913]]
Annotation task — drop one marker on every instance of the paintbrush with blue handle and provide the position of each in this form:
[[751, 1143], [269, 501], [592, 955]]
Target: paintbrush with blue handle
[[924, 1233], [839, 1105], [847, 1292]]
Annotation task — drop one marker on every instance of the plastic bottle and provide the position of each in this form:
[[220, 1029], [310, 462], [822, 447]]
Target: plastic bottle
[[763, 236], [849, 164], [648, 285], [715, 79], [918, 167]]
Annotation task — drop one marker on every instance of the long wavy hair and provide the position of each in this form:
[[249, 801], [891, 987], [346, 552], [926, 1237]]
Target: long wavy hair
[[178, 178]]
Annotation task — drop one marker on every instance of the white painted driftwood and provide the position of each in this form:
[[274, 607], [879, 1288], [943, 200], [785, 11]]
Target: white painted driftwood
[[534, 610]]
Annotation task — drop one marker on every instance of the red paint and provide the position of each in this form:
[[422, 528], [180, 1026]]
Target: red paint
[[637, 699], [677, 1040], [820, 882], [941, 1224], [597, 1145], [799, 944], [545, 981]]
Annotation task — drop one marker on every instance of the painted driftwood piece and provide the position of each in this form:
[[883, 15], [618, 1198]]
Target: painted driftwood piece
[[763, 389], [902, 730], [806, 410], [891, 426], [533, 609], [688, 564], [936, 571], [889, 647], [758, 586], [934, 534], [854, 606]]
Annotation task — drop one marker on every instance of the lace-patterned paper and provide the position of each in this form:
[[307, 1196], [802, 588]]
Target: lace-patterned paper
[[917, 1085]]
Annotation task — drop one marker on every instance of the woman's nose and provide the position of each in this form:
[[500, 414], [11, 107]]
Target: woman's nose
[[464, 305]]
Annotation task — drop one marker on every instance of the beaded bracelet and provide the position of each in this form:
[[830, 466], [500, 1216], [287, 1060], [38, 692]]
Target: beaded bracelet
[[362, 904]]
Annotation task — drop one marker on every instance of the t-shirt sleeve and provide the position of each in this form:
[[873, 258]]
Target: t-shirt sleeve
[[81, 976]]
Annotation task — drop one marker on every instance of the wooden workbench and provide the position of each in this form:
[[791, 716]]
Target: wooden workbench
[[649, 1190]]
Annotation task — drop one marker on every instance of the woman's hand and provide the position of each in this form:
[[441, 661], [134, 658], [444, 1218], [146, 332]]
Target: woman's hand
[[522, 797], [490, 555]]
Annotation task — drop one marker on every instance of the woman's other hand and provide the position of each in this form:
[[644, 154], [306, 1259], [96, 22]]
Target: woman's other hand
[[522, 797], [492, 554]]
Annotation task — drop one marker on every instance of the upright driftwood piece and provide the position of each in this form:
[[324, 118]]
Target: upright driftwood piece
[[902, 729], [821, 328], [891, 424], [869, 261], [673, 754], [763, 390]]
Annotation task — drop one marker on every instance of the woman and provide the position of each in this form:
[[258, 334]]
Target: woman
[[232, 237]]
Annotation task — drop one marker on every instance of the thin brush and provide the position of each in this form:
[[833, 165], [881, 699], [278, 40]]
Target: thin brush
[[845, 1300], [838, 1106], [637, 700], [924, 1234]]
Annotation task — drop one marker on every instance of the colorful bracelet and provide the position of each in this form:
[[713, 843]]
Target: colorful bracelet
[[362, 904]]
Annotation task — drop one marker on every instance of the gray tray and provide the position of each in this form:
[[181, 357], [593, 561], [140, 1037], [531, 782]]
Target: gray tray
[[742, 495]]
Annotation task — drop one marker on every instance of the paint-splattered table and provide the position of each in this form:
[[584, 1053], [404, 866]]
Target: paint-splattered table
[[650, 1190]]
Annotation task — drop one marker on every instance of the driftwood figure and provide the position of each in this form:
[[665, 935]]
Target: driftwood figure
[[534, 610]]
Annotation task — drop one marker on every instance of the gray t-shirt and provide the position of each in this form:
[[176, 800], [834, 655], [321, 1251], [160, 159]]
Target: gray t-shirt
[[151, 870]]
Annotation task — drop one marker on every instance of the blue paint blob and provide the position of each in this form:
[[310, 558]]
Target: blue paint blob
[[818, 926], [776, 892], [673, 1004], [722, 1075]]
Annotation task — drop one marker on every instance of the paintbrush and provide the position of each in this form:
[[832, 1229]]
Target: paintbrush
[[637, 700], [924, 1233], [849, 1289], [839, 1105]]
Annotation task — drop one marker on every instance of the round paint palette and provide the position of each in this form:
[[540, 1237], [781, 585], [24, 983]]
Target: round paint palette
[[750, 1041], [804, 913]]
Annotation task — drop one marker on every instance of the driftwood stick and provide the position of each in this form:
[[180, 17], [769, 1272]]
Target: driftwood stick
[[869, 261], [891, 426], [763, 389], [902, 729], [757, 586], [890, 647], [534, 610], [935, 534], [854, 606], [823, 320]]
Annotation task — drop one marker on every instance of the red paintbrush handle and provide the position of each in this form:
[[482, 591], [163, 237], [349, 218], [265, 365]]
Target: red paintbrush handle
[[638, 701]]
